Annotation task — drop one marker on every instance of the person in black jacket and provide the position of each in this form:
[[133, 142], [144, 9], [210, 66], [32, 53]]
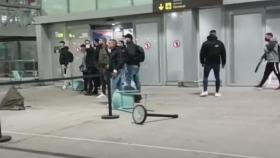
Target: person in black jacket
[[92, 68], [116, 65], [212, 55], [133, 62], [65, 58]]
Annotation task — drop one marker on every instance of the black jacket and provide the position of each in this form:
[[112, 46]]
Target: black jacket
[[92, 59], [213, 51], [132, 54], [117, 59], [64, 57]]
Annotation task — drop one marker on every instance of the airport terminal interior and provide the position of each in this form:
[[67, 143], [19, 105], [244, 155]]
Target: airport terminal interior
[[139, 78]]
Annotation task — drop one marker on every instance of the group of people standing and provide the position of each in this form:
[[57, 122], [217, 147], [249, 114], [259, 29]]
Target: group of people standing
[[213, 56], [116, 60]]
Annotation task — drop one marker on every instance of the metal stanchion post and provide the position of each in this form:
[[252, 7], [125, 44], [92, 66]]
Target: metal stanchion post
[[110, 115], [4, 138]]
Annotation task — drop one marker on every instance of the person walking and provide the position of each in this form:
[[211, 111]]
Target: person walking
[[271, 55]]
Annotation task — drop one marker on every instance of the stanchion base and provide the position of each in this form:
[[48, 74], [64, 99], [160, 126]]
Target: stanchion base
[[108, 117], [5, 139]]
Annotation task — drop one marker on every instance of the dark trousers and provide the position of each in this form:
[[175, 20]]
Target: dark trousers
[[268, 70], [103, 78], [93, 81], [207, 70], [85, 81]]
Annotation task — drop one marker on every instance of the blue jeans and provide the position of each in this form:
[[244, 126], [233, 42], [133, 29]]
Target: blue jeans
[[117, 82], [132, 74]]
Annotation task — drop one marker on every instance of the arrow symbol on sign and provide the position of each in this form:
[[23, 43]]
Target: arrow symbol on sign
[[161, 7]]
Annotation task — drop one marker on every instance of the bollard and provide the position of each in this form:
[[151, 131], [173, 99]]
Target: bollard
[[4, 138], [110, 115]]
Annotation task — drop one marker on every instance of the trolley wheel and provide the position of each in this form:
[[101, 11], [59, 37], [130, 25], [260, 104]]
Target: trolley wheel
[[139, 114]]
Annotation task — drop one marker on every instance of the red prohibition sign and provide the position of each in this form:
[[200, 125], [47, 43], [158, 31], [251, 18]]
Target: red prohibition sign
[[177, 44], [148, 45]]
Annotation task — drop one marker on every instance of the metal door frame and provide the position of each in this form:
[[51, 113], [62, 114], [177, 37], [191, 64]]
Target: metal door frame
[[161, 68], [230, 38]]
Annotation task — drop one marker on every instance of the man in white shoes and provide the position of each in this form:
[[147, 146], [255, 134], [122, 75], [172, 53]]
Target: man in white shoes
[[212, 55]]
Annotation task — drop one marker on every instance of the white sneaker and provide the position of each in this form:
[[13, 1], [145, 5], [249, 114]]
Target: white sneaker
[[204, 94], [218, 95], [101, 96]]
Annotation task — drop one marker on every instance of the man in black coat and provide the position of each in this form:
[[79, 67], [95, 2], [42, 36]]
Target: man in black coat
[[212, 55], [116, 65], [92, 68]]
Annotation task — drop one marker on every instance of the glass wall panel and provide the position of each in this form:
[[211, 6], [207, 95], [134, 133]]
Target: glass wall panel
[[142, 2], [108, 4], [20, 56], [77, 6], [54, 7]]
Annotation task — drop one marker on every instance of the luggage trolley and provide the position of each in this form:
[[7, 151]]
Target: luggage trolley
[[124, 101]]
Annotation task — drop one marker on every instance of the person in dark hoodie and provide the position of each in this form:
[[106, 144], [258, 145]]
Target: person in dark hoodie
[[212, 55], [92, 67], [271, 55]]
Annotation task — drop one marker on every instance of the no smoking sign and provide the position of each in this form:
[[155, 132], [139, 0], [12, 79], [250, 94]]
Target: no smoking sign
[[177, 44], [148, 45]]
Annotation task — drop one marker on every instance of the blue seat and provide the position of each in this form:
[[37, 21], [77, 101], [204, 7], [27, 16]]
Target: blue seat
[[78, 85]]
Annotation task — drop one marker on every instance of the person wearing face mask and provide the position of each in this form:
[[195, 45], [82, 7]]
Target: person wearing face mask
[[65, 58], [271, 55]]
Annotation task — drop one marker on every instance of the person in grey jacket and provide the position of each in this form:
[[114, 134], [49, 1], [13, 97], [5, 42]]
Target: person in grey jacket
[[271, 55]]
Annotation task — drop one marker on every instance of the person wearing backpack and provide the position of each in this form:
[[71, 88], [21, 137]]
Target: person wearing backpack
[[271, 55], [65, 58], [135, 56]]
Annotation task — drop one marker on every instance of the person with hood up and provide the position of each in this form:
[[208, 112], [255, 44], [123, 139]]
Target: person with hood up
[[212, 55]]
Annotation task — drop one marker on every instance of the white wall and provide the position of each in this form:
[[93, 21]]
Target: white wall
[[43, 49], [182, 62], [273, 23], [174, 30]]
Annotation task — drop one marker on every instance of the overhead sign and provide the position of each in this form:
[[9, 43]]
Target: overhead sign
[[179, 5]]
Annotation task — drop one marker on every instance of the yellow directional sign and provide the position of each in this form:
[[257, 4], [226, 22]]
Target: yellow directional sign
[[168, 6], [161, 7]]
